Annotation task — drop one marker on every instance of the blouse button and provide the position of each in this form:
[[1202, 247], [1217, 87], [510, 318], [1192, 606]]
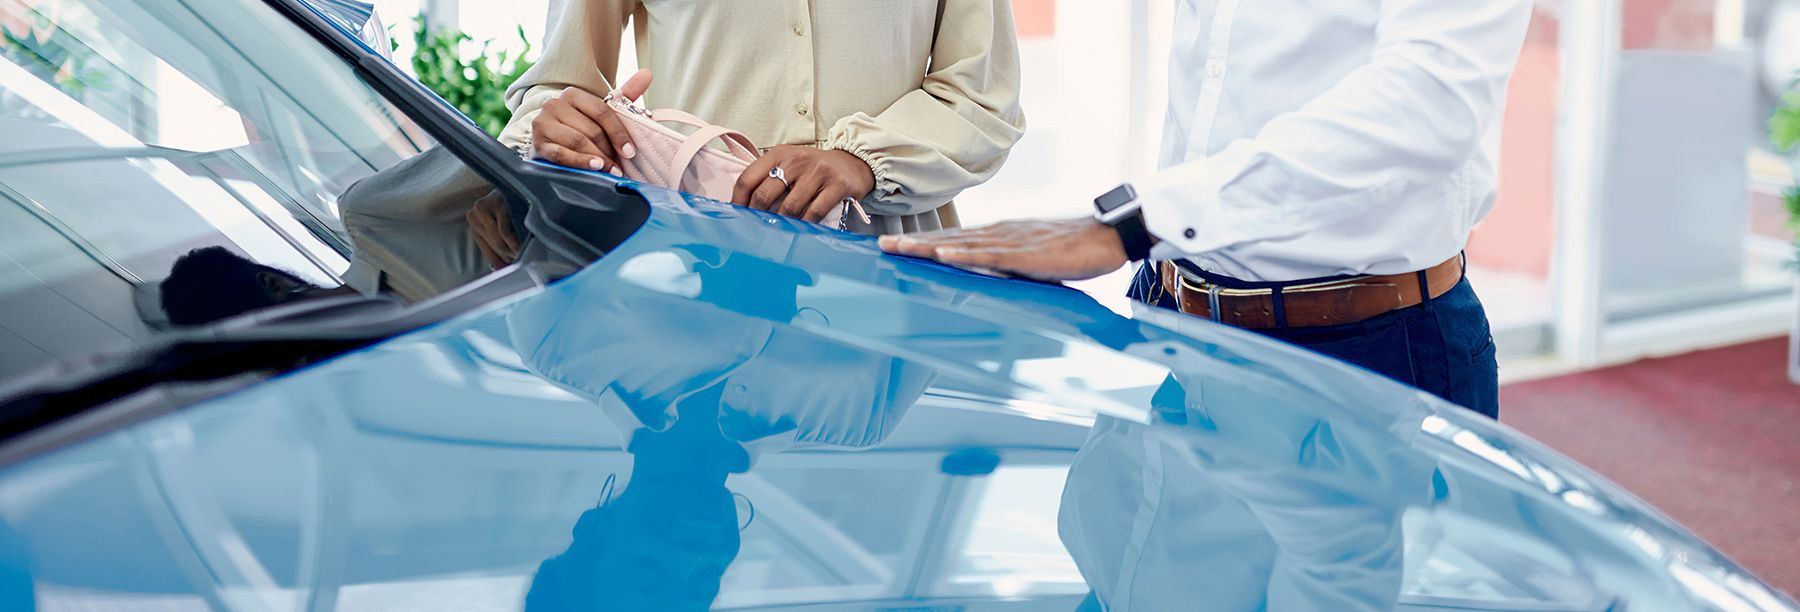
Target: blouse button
[[801, 109]]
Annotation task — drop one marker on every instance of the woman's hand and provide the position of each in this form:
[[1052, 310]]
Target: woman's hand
[[492, 230], [817, 181], [577, 129]]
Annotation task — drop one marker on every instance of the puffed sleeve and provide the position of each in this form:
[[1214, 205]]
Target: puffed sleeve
[[581, 50], [954, 131]]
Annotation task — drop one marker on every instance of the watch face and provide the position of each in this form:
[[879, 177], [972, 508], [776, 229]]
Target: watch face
[[1115, 199]]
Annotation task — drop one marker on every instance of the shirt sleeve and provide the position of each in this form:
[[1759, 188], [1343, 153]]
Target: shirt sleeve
[[955, 130], [1412, 116], [581, 50]]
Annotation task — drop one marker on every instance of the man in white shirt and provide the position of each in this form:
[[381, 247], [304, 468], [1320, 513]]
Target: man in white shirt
[[1323, 164]]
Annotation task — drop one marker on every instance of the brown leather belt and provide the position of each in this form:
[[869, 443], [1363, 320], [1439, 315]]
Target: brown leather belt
[[1337, 302]]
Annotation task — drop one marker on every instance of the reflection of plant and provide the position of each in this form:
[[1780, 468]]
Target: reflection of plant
[[51, 54], [475, 86]]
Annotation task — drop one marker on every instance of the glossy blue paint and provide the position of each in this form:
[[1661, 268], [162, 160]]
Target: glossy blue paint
[[737, 410]]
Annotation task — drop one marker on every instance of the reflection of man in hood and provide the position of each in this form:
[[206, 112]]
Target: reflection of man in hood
[[696, 354], [1274, 484]]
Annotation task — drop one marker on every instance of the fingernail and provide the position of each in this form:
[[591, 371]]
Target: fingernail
[[617, 170], [629, 151], [596, 164]]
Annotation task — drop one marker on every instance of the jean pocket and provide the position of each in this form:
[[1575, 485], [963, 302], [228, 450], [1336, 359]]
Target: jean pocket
[[1487, 351], [1470, 360]]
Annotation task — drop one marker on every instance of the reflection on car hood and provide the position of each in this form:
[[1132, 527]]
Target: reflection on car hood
[[736, 410]]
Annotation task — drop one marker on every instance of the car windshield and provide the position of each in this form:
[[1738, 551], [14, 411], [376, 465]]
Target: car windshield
[[136, 134]]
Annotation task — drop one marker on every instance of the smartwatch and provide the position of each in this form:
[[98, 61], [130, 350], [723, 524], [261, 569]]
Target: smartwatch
[[1121, 210]]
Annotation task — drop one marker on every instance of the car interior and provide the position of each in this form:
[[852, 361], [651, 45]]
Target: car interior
[[109, 175]]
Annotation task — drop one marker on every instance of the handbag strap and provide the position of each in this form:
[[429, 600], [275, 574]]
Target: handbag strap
[[736, 142], [679, 116], [744, 149], [684, 157]]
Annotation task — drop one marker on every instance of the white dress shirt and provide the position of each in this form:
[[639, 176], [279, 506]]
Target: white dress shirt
[[1307, 139]]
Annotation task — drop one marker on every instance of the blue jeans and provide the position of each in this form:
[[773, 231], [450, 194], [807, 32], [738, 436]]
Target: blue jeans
[[1443, 347]]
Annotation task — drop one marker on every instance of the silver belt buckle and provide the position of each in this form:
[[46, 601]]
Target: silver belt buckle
[[1212, 303], [1185, 279]]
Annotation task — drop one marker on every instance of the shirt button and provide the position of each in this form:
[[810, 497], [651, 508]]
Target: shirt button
[[802, 109], [1215, 68], [799, 30]]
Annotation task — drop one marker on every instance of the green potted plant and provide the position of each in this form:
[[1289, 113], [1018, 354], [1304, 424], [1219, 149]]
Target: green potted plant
[[1784, 132], [475, 85]]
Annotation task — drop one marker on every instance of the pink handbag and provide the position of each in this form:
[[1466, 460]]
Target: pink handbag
[[686, 162]]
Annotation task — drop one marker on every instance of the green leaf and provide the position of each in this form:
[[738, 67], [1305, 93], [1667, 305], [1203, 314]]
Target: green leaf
[[474, 85], [1784, 127], [1792, 199]]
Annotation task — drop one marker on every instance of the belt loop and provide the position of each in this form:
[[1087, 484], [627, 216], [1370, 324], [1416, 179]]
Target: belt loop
[[1280, 308], [1212, 303], [1424, 289]]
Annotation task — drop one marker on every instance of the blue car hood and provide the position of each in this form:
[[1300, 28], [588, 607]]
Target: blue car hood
[[739, 410]]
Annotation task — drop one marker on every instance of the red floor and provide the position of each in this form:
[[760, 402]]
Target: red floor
[[1711, 438]]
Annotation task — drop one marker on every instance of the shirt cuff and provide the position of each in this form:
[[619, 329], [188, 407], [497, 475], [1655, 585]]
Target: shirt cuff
[[1183, 214], [843, 138], [530, 103], [1166, 251]]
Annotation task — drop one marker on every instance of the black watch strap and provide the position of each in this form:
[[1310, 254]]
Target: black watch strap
[[1134, 235], [1120, 209]]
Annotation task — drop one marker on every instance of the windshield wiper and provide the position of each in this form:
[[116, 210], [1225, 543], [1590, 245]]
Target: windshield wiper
[[39, 411]]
